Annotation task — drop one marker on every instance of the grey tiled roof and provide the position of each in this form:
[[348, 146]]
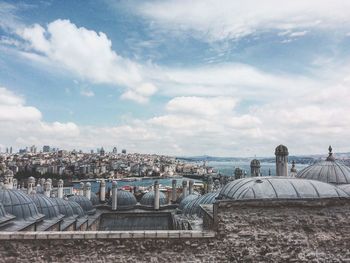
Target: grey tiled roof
[[279, 188]]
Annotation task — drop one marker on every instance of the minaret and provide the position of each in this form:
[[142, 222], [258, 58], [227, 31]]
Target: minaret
[[103, 190], [31, 183], [60, 188], [190, 187], [81, 189], [114, 195], [281, 153], [88, 190], [255, 168], [173, 191], [156, 195], [184, 189]]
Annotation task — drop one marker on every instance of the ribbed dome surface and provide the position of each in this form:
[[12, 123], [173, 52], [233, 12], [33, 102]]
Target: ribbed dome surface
[[84, 202], [63, 207], [19, 204], [77, 208], [125, 200], [188, 199], [45, 205], [193, 208], [4, 216], [278, 188], [94, 199], [333, 172], [148, 199]]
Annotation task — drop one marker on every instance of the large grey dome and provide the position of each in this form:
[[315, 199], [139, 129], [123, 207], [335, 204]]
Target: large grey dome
[[84, 202], [20, 205], [193, 207], [125, 200], [278, 188], [328, 171], [77, 209], [45, 206], [63, 207], [148, 199], [188, 199], [4, 216], [94, 199]]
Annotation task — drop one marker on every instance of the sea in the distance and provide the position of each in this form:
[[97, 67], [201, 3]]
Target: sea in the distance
[[222, 167]]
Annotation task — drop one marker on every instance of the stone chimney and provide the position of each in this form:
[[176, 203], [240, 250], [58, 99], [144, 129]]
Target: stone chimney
[[81, 189], [60, 188], [8, 179], [156, 195], [184, 189], [103, 190], [281, 153], [88, 190], [173, 191], [114, 195], [210, 184], [15, 183], [31, 183], [190, 187], [47, 188]]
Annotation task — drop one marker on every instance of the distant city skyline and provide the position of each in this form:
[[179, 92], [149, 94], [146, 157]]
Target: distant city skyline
[[218, 78]]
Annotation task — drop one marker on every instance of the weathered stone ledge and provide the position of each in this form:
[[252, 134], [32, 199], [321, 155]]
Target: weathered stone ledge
[[159, 234]]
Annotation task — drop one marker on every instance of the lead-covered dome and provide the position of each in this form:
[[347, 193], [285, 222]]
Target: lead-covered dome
[[20, 205], [84, 202], [328, 171], [148, 199], [94, 199], [193, 209], [188, 199], [63, 207], [125, 200], [77, 209], [4, 216], [279, 188], [45, 206]]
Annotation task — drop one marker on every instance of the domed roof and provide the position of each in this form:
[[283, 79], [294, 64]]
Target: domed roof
[[278, 188], [63, 206], [45, 205], [20, 205], [255, 163], [148, 199], [281, 150], [4, 216], [94, 199], [84, 202], [188, 199], [329, 171], [125, 200], [193, 208], [77, 209]]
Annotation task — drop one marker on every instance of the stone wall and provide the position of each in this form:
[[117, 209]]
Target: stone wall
[[300, 231]]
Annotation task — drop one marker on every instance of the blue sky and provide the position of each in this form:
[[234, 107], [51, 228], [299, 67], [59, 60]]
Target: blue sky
[[176, 77]]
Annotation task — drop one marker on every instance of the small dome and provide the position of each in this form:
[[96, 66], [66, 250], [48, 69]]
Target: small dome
[[148, 199], [188, 199], [125, 200], [281, 150], [45, 205], [63, 206], [76, 208], [192, 209], [278, 188], [84, 202], [255, 163], [328, 171], [4, 216], [94, 199], [19, 204]]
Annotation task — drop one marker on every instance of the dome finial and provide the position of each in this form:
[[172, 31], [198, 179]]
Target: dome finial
[[330, 149], [330, 154]]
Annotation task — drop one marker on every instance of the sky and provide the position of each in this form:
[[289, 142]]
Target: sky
[[199, 77]]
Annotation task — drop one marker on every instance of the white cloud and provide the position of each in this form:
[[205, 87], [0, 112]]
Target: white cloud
[[87, 93], [86, 53], [213, 20]]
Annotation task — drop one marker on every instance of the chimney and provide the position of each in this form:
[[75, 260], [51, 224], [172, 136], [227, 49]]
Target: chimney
[[114, 195], [60, 188], [31, 182], [184, 189], [173, 192], [103, 190], [81, 189], [88, 190], [156, 195], [47, 188], [190, 188]]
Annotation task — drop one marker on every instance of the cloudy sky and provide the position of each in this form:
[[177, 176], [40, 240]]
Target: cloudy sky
[[215, 77]]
